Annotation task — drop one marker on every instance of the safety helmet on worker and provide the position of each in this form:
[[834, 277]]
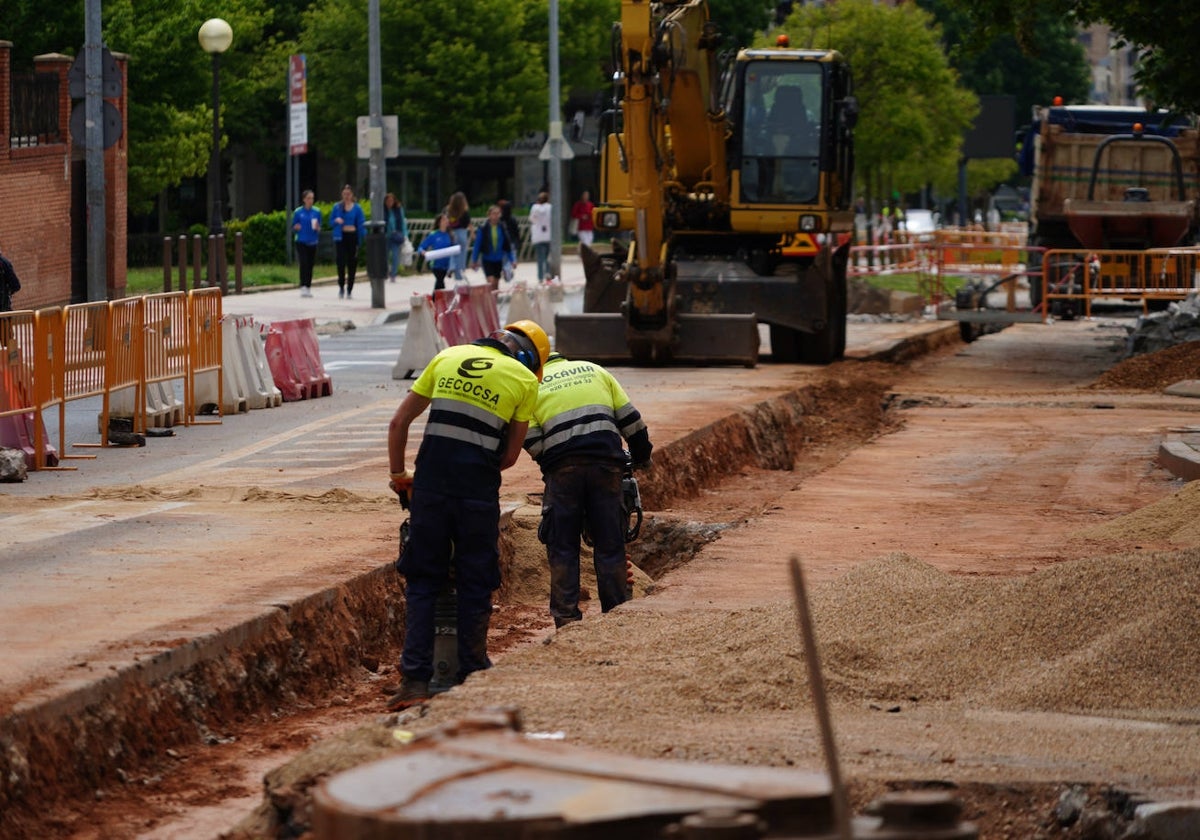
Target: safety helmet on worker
[[533, 342]]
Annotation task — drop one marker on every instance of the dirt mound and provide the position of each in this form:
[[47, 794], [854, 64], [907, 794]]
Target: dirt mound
[[894, 630], [1172, 519], [526, 578], [1153, 371]]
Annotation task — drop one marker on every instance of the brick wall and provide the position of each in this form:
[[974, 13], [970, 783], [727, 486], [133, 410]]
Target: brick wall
[[36, 231]]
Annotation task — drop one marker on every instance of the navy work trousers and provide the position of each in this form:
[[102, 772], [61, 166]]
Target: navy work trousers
[[576, 493], [447, 532]]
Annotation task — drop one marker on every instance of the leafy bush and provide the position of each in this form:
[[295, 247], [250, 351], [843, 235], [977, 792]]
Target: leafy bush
[[264, 237]]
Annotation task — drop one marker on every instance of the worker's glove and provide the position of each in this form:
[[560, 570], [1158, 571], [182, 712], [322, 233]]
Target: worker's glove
[[401, 484], [401, 481]]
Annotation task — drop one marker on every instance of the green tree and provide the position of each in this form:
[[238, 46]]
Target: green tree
[[456, 72], [35, 27], [741, 21], [584, 39], [913, 111], [1164, 31], [1054, 66], [170, 80]]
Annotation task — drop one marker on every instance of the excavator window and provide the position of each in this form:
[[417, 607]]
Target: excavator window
[[780, 137]]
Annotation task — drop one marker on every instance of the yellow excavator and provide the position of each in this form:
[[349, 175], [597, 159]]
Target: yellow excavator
[[726, 185]]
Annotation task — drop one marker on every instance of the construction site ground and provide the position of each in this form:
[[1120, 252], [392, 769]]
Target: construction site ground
[[1004, 584]]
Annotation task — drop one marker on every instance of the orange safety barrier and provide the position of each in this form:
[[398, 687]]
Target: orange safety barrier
[[111, 342], [294, 356], [49, 337], [909, 257], [119, 351], [20, 418], [166, 361], [1160, 274], [1010, 262], [204, 357]]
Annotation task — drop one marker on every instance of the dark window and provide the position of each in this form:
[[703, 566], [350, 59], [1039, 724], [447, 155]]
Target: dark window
[[34, 110]]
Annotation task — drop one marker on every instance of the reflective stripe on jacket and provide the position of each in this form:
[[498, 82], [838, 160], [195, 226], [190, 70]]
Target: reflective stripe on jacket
[[582, 414], [475, 392]]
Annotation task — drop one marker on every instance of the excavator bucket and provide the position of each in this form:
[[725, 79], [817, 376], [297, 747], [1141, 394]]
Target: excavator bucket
[[602, 334], [604, 337]]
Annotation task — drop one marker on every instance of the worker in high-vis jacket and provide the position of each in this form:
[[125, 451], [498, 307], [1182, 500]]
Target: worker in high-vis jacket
[[577, 436], [481, 398]]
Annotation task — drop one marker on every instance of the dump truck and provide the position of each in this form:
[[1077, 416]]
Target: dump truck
[[1109, 178], [727, 188]]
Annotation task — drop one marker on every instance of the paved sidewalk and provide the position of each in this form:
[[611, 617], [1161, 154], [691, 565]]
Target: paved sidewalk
[[325, 307]]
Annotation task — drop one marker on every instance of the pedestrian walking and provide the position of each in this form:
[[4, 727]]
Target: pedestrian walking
[[459, 213], [306, 223], [349, 227], [514, 235], [581, 219], [493, 248], [396, 228], [580, 425], [480, 398], [438, 240], [540, 218]]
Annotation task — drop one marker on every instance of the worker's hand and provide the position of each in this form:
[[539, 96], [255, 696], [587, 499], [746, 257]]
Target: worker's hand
[[401, 482]]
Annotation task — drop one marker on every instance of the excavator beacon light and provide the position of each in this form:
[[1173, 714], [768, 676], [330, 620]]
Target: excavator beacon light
[[783, 40], [1138, 128]]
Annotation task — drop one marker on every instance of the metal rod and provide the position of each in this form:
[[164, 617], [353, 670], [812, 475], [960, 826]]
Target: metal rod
[[841, 806]]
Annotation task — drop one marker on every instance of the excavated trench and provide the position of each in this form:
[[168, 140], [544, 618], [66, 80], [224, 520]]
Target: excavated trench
[[57, 752]]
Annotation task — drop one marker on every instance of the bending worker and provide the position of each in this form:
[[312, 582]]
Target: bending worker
[[576, 435], [481, 398]]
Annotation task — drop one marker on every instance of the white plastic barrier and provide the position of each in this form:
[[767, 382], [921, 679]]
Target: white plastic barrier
[[244, 360], [549, 300], [520, 304], [164, 408], [262, 391], [421, 339], [236, 391]]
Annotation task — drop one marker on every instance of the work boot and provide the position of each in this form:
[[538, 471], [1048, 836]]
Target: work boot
[[411, 693]]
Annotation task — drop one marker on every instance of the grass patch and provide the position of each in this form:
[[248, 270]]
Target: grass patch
[[147, 281], [916, 283]]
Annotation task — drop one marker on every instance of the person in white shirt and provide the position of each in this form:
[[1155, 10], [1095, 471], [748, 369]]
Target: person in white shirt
[[540, 217]]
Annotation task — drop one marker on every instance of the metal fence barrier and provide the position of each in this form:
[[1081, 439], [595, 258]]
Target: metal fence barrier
[[120, 351]]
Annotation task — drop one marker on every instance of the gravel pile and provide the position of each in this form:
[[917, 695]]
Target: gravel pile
[[1153, 371], [1110, 635]]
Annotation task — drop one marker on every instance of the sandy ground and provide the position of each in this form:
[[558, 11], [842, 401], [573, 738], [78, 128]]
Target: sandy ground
[[1001, 602]]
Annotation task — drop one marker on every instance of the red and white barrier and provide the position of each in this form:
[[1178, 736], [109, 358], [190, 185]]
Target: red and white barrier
[[294, 357]]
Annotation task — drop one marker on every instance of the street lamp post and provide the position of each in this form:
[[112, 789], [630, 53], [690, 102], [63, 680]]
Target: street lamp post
[[215, 37]]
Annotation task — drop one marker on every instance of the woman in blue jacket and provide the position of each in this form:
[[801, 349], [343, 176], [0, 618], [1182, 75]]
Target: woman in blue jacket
[[434, 241], [349, 227], [493, 248], [306, 222]]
